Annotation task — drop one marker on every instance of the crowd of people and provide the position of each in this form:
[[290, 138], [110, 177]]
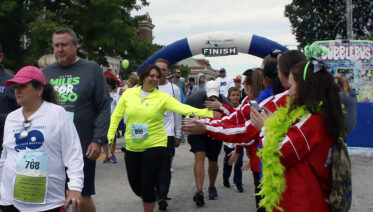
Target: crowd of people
[[55, 120]]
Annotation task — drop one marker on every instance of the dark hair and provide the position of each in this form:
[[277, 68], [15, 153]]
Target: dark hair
[[319, 88], [1, 48], [270, 71], [49, 94], [68, 31], [288, 59], [231, 89], [161, 60], [146, 72], [112, 82]]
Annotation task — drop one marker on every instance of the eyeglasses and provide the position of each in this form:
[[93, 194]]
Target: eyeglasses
[[26, 128], [177, 72]]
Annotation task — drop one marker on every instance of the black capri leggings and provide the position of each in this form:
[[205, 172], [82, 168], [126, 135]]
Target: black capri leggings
[[143, 170]]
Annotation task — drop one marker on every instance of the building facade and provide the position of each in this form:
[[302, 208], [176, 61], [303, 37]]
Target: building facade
[[199, 66]]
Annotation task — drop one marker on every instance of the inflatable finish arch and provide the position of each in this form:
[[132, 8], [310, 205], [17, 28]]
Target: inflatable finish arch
[[215, 44]]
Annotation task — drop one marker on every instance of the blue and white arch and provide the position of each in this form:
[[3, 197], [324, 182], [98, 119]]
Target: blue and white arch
[[215, 44]]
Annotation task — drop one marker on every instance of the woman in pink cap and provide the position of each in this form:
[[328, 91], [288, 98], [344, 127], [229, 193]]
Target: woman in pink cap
[[40, 140]]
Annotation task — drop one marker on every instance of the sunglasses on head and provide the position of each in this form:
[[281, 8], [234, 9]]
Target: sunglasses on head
[[26, 127]]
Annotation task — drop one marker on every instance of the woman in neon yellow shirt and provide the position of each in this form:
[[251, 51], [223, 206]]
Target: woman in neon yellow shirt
[[146, 138]]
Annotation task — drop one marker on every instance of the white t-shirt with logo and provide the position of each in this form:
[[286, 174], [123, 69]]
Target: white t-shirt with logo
[[225, 83], [52, 133]]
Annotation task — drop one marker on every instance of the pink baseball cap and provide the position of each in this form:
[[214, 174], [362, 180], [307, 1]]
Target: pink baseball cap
[[25, 75]]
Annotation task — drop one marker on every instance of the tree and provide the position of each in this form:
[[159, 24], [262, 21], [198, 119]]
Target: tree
[[325, 20], [104, 28]]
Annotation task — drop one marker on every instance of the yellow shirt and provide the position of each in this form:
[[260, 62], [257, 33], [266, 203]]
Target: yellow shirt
[[144, 119]]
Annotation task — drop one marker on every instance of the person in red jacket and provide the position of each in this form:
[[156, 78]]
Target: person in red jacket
[[297, 141], [236, 126]]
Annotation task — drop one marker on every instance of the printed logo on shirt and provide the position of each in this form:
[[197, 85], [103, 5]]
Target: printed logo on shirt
[[223, 83], [34, 140], [2, 88], [66, 87]]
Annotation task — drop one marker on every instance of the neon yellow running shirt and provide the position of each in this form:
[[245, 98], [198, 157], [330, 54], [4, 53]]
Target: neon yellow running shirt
[[144, 124]]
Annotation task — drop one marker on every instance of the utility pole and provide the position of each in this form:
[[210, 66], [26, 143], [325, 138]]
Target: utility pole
[[349, 19]]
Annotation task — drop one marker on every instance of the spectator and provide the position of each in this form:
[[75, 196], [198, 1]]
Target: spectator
[[224, 81], [200, 83], [349, 101], [7, 98]]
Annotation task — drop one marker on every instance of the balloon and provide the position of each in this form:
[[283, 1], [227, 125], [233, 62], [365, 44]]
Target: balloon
[[125, 63]]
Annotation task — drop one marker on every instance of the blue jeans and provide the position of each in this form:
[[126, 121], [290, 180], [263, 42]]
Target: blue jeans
[[227, 169]]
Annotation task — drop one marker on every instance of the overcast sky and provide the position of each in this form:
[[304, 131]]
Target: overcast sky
[[177, 19]]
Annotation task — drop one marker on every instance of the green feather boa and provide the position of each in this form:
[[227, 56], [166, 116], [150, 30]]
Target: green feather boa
[[273, 182]]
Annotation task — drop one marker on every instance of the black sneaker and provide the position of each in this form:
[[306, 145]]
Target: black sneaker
[[226, 183], [238, 188], [213, 193], [162, 203], [198, 198]]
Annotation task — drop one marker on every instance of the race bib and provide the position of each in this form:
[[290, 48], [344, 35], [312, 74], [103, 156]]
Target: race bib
[[31, 177], [139, 132]]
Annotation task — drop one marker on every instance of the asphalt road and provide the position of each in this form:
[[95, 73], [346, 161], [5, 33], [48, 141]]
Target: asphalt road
[[113, 193]]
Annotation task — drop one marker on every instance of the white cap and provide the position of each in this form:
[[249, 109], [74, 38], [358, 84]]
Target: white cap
[[212, 88]]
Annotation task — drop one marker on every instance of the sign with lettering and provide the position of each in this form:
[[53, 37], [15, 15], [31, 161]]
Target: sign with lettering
[[211, 52], [353, 60]]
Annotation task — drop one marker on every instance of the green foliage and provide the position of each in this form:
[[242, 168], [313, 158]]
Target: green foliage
[[325, 20], [104, 28]]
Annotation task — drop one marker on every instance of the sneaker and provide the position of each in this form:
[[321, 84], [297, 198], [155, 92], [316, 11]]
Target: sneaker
[[162, 203], [226, 183], [114, 159], [213, 193], [172, 170], [239, 187], [107, 159], [198, 198]]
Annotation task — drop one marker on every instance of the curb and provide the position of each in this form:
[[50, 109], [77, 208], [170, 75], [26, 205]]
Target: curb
[[360, 152]]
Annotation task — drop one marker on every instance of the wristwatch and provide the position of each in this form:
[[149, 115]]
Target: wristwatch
[[99, 142]]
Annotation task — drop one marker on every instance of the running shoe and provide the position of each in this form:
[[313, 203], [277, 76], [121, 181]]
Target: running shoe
[[213, 193], [198, 198], [162, 203], [107, 159], [239, 187], [114, 159], [226, 183]]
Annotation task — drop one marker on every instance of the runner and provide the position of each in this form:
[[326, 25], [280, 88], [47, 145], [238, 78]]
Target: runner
[[40, 140], [83, 93], [146, 138], [204, 147]]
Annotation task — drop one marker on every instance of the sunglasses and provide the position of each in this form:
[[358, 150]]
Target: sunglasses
[[26, 128]]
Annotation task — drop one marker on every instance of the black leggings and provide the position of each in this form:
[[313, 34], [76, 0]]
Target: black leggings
[[143, 170], [11, 208]]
